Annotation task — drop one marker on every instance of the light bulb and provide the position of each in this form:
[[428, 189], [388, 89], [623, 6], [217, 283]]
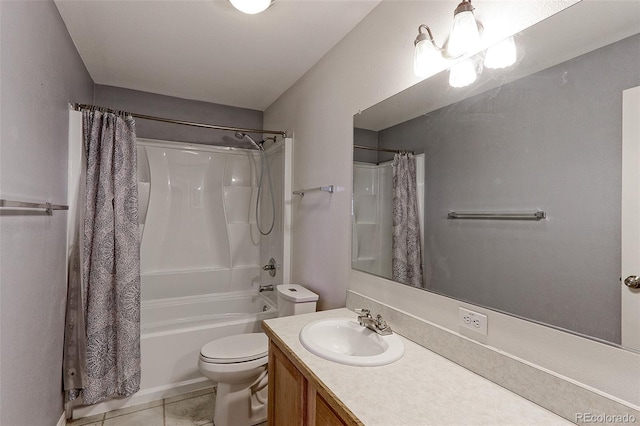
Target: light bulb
[[251, 6], [501, 55], [424, 55], [462, 74], [464, 37]]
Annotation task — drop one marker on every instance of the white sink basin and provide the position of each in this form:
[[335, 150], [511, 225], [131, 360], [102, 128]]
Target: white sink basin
[[344, 341]]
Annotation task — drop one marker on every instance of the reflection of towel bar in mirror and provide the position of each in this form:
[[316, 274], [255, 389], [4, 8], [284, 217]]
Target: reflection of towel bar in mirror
[[301, 192], [498, 216], [26, 205]]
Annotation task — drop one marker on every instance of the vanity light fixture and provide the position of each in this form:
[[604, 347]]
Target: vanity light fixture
[[425, 51], [251, 7], [463, 73], [501, 55], [464, 39]]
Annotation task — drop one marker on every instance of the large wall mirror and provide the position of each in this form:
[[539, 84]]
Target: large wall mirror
[[541, 140]]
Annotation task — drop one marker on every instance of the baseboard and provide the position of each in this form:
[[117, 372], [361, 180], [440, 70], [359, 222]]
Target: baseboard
[[62, 421]]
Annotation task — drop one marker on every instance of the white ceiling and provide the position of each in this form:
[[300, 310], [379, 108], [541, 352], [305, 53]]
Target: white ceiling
[[207, 50]]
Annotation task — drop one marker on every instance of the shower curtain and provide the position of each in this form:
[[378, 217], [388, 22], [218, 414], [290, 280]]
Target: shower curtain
[[102, 347], [407, 252]]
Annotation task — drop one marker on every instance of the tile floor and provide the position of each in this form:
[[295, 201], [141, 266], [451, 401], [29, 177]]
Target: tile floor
[[191, 409]]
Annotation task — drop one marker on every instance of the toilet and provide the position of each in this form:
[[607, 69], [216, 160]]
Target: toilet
[[238, 364]]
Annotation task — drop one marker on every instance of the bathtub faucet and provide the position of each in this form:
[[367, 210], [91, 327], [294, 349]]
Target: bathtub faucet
[[266, 288]]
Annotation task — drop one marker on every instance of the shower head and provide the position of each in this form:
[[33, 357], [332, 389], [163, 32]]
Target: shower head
[[241, 136]]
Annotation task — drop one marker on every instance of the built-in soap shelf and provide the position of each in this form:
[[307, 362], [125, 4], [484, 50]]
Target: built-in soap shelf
[[239, 204], [365, 259]]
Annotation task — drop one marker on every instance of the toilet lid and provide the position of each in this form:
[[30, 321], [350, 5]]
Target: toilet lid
[[236, 348]]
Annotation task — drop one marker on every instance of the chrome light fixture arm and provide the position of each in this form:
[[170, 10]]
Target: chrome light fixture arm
[[426, 36]]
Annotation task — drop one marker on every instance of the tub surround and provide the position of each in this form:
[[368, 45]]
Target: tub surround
[[561, 395], [422, 388]]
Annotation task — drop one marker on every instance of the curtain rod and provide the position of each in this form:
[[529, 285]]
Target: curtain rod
[[371, 148], [78, 107]]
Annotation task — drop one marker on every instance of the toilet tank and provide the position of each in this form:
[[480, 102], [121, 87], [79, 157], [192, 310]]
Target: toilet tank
[[293, 299]]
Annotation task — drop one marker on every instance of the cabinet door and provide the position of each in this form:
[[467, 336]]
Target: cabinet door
[[325, 416], [287, 389]]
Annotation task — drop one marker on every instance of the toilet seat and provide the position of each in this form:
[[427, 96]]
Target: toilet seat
[[234, 349]]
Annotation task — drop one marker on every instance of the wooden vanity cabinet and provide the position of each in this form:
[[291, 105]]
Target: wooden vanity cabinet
[[298, 399]]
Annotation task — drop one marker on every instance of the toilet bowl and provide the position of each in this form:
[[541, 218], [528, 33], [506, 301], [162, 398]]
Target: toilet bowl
[[238, 364]]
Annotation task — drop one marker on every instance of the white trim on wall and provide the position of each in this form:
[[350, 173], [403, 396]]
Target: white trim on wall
[[62, 421], [630, 323], [287, 199]]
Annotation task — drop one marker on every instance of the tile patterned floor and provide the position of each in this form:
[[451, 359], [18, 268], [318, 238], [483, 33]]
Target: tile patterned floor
[[191, 409]]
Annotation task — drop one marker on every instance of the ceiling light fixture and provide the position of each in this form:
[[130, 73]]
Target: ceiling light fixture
[[464, 40], [251, 6]]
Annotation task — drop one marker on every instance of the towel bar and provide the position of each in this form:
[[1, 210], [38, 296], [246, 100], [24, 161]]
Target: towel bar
[[498, 216], [49, 208], [301, 192]]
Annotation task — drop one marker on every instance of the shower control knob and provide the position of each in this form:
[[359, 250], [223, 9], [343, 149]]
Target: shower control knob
[[271, 267], [632, 281]]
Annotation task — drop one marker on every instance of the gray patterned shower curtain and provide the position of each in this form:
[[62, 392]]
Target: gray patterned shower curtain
[[102, 336], [407, 248]]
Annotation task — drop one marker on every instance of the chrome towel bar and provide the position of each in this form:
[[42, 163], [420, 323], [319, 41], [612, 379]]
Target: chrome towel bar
[[48, 207], [301, 192], [498, 216]]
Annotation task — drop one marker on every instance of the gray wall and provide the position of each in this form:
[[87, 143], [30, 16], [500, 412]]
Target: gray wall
[[366, 138], [550, 141], [41, 72], [182, 109]]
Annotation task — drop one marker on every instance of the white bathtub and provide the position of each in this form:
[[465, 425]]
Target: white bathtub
[[176, 315], [172, 333]]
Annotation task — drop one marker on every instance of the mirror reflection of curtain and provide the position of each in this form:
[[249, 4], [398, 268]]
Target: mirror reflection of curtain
[[407, 253]]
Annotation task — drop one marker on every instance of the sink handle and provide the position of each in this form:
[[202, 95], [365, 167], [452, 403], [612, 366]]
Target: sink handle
[[381, 322], [364, 312]]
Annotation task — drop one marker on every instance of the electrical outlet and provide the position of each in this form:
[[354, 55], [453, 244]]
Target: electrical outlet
[[473, 320]]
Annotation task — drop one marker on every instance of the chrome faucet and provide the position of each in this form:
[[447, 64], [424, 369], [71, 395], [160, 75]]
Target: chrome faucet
[[271, 267], [265, 288], [377, 324]]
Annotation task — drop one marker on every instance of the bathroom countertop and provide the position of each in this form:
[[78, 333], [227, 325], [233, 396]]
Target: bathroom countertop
[[422, 388]]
